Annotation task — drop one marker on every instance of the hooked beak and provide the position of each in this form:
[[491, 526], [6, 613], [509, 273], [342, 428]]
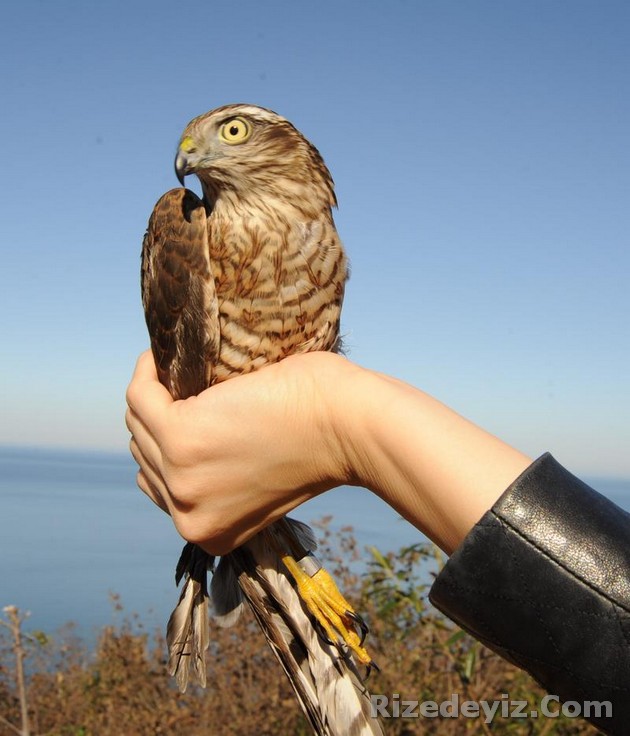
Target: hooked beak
[[181, 166], [183, 163]]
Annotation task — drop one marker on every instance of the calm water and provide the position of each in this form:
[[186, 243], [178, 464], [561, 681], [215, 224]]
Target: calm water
[[73, 527]]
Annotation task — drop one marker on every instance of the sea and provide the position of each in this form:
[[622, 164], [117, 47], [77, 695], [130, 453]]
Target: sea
[[78, 540]]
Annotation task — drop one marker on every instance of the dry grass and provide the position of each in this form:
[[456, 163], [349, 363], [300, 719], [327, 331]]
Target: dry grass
[[121, 689]]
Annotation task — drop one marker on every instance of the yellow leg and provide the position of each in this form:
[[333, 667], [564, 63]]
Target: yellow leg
[[330, 608]]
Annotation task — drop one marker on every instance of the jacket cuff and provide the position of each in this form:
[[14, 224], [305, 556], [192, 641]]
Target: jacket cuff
[[544, 580]]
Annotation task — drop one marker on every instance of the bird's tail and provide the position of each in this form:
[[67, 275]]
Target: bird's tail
[[323, 675], [188, 628]]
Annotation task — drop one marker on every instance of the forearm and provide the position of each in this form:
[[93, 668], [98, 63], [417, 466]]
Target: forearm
[[437, 469]]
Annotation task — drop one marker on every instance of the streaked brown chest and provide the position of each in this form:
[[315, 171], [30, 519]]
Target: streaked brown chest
[[279, 291]]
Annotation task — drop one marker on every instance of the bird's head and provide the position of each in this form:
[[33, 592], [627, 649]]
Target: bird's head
[[250, 151]]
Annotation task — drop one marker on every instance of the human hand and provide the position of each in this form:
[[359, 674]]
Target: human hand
[[243, 453]]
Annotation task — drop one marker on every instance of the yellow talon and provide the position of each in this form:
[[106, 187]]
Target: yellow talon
[[335, 615]]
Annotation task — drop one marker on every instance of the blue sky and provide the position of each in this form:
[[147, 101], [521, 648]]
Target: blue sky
[[482, 160]]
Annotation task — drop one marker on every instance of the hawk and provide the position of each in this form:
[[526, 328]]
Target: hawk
[[250, 273]]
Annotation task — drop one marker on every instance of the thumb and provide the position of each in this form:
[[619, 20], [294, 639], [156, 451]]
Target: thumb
[[146, 396]]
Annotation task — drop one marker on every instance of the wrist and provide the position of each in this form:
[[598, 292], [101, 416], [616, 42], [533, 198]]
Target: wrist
[[334, 379], [356, 404], [437, 469]]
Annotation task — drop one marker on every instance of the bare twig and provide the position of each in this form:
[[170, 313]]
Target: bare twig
[[8, 724], [14, 624]]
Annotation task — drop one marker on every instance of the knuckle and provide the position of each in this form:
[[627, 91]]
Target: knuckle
[[131, 395], [180, 493], [185, 488], [141, 482], [133, 449]]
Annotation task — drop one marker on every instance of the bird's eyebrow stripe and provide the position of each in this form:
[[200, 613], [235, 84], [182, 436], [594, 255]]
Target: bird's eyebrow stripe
[[233, 116]]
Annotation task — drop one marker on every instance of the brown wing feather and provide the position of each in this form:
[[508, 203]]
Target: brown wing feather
[[178, 294], [181, 310]]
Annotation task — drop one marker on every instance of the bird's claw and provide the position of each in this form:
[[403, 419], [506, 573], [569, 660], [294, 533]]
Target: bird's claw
[[334, 615], [322, 633], [371, 666], [363, 627]]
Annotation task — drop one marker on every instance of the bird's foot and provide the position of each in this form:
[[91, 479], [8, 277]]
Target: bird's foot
[[336, 617]]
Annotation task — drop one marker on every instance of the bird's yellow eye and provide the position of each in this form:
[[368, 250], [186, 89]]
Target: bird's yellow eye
[[236, 130]]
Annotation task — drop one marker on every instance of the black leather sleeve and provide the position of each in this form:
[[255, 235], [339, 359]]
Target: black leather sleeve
[[544, 580]]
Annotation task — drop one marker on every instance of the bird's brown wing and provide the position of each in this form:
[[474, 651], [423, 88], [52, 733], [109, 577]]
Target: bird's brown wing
[[178, 294], [181, 310]]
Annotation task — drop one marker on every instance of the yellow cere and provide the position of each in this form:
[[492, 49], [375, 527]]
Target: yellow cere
[[187, 144]]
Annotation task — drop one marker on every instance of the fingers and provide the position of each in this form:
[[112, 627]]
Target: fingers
[[147, 401], [144, 439], [146, 396], [150, 491], [148, 479]]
